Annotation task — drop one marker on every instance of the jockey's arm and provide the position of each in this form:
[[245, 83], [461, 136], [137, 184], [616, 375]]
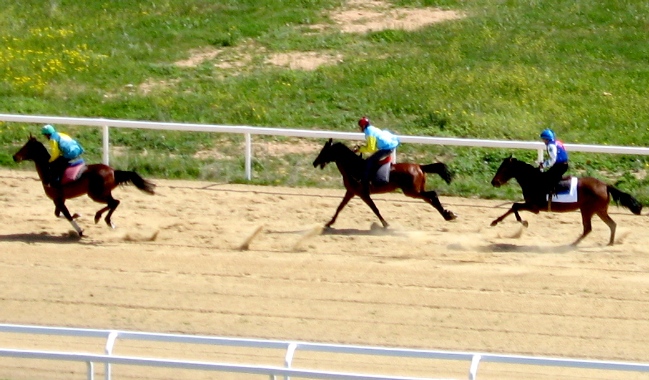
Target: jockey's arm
[[370, 145], [55, 152], [552, 156]]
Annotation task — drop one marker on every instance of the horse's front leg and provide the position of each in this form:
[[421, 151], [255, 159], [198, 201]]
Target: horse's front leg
[[366, 198], [57, 213], [348, 196], [60, 206], [514, 210]]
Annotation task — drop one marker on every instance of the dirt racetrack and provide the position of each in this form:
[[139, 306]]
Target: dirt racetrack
[[173, 264]]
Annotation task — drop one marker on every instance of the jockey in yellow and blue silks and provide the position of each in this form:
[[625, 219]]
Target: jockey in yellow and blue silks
[[379, 144], [557, 163], [64, 150]]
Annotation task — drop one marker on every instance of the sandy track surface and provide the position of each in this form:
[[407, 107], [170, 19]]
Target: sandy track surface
[[174, 264]]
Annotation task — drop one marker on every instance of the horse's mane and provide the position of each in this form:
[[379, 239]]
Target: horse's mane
[[342, 149], [529, 174], [522, 164], [42, 151]]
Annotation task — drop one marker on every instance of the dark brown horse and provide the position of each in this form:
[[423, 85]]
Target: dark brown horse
[[97, 181], [410, 178], [593, 196]]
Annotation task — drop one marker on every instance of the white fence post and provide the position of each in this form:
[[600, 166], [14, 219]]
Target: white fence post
[[248, 157], [110, 343], [105, 145], [91, 370]]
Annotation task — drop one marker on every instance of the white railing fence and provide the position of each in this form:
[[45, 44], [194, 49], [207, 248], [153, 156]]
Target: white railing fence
[[290, 349], [248, 131]]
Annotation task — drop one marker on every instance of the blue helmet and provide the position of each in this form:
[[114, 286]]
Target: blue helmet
[[48, 130], [547, 134]]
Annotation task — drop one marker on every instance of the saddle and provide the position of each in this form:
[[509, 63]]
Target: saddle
[[382, 175], [565, 191], [563, 186], [74, 171]]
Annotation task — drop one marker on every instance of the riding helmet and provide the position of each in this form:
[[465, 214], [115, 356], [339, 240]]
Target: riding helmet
[[547, 134], [364, 122], [48, 130]]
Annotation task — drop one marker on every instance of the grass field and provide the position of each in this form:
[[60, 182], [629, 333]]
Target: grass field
[[500, 70]]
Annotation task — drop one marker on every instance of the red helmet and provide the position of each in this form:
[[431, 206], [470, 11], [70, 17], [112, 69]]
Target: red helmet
[[364, 122]]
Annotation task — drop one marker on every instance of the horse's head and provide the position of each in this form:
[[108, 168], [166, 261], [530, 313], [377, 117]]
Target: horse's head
[[32, 150], [325, 156], [505, 172]]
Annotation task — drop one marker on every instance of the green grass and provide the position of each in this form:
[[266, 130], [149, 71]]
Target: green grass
[[506, 71]]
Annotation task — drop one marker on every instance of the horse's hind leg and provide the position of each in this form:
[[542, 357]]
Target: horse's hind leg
[[112, 205], [610, 223], [431, 197]]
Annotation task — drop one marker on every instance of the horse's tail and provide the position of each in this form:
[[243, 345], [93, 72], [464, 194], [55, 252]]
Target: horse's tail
[[123, 177], [626, 200], [439, 168]]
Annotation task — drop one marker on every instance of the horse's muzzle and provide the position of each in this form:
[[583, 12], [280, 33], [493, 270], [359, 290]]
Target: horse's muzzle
[[17, 159], [495, 182]]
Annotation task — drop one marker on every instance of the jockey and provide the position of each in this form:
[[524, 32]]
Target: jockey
[[379, 144], [64, 150], [557, 163]]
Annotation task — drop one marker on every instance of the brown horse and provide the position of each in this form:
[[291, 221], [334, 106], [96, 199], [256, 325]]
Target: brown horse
[[410, 178], [593, 196], [97, 181]]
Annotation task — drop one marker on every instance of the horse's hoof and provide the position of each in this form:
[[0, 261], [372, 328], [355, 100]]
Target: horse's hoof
[[495, 222], [75, 216], [524, 223], [449, 215]]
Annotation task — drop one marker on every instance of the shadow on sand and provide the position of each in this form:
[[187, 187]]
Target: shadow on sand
[[504, 247], [41, 238]]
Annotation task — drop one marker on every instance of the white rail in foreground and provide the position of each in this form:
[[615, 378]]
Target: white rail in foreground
[[290, 348], [247, 131]]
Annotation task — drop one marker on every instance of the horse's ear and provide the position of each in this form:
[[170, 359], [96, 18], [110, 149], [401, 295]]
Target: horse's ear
[[330, 142]]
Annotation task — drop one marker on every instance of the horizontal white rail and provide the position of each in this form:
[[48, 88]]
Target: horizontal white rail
[[290, 347], [249, 130]]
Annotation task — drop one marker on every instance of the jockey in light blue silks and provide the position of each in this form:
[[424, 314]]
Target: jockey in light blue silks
[[380, 144], [64, 151]]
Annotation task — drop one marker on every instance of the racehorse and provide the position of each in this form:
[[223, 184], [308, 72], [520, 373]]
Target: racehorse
[[593, 196], [97, 181], [410, 178]]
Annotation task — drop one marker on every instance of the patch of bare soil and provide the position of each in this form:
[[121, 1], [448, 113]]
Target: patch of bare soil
[[303, 60], [355, 16], [361, 16], [175, 263]]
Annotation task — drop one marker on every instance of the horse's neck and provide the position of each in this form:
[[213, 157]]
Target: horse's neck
[[349, 163], [42, 168], [528, 178]]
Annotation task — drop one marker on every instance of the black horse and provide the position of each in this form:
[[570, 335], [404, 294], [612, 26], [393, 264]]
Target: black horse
[[593, 196], [410, 178]]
